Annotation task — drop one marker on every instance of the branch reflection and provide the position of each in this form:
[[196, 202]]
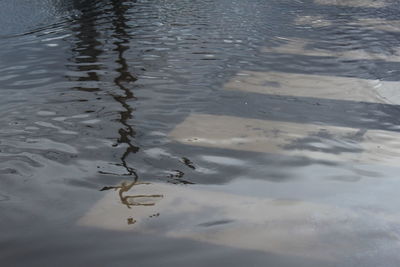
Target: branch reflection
[[132, 200], [89, 49], [122, 81]]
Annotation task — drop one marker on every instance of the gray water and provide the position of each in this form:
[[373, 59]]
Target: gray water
[[199, 133]]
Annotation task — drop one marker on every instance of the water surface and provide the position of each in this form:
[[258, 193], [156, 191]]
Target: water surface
[[201, 133]]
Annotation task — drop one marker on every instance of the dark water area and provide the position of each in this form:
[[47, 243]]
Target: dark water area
[[199, 133]]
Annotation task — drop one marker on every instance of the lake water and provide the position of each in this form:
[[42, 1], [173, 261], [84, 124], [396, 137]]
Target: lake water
[[199, 133]]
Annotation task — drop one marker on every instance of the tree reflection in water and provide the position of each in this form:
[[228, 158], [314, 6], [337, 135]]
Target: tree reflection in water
[[87, 60], [129, 200], [127, 133]]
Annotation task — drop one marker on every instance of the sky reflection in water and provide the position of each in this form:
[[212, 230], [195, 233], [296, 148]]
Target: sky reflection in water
[[199, 132]]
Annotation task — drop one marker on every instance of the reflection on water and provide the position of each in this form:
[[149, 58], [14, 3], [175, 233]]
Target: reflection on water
[[314, 141], [121, 37], [123, 81], [354, 3], [316, 86], [129, 200], [289, 227], [299, 46], [88, 61], [218, 133]]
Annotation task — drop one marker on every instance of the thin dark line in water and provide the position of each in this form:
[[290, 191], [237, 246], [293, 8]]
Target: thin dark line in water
[[88, 50], [127, 133]]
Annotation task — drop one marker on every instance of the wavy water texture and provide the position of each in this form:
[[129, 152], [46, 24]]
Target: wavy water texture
[[199, 132]]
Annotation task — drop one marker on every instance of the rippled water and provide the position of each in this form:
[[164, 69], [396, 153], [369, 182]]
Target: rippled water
[[199, 133]]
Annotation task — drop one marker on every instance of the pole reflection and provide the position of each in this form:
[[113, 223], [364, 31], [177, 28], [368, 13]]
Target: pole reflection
[[122, 81], [89, 51]]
